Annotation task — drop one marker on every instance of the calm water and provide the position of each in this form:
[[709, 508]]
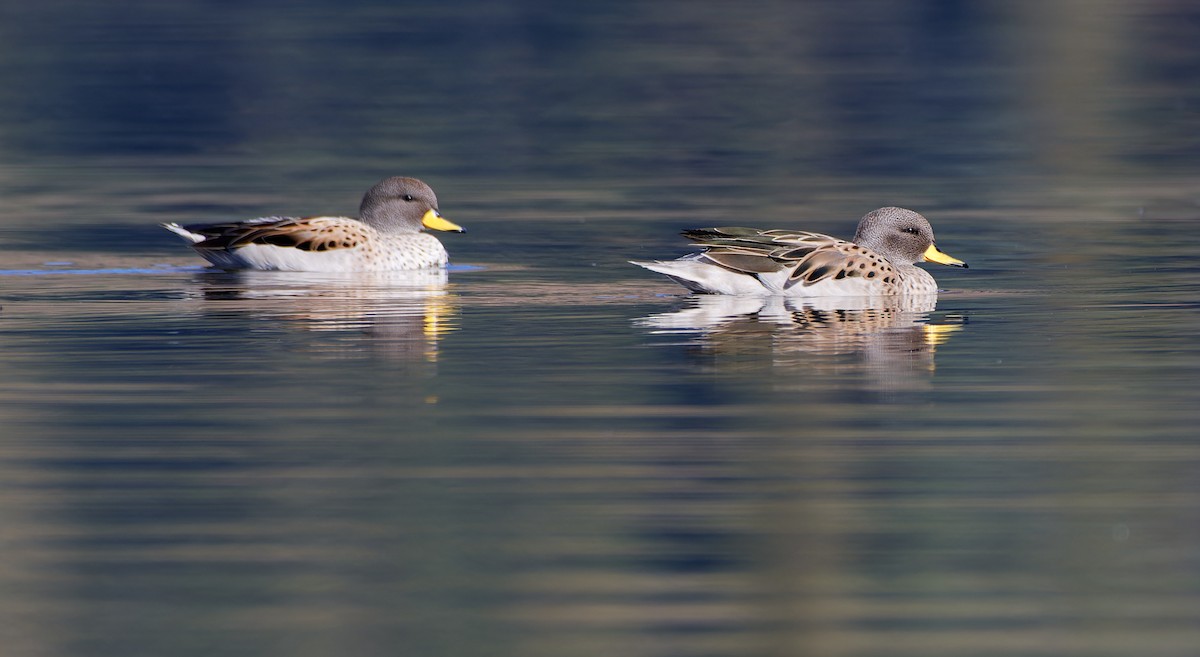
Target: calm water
[[547, 451]]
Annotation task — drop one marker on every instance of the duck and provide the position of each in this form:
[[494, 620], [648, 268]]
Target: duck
[[386, 236], [879, 261]]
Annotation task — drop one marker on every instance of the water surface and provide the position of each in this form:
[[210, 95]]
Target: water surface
[[547, 451]]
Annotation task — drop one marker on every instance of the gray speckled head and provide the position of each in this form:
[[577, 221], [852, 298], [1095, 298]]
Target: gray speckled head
[[900, 235], [397, 205]]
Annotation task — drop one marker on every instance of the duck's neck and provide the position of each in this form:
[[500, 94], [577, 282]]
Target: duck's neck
[[914, 280]]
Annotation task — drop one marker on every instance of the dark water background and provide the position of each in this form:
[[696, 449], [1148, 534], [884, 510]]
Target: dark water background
[[552, 452]]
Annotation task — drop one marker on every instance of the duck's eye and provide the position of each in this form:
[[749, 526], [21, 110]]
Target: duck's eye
[[408, 197], [910, 230]]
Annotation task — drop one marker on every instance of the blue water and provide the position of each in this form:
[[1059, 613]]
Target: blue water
[[548, 451]]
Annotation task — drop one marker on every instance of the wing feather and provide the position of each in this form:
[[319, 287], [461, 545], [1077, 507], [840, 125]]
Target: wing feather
[[305, 234], [756, 251]]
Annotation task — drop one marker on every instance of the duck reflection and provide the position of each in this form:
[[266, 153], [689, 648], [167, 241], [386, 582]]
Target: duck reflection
[[404, 314], [888, 338]]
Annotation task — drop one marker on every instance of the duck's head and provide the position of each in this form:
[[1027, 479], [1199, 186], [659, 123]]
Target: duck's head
[[403, 205], [902, 236]]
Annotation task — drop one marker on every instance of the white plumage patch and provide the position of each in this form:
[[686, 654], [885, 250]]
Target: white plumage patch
[[184, 233], [698, 275]]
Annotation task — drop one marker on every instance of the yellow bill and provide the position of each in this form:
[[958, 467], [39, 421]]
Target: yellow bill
[[433, 220], [933, 255]]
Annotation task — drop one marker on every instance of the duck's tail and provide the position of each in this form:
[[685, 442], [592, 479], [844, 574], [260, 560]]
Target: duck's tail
[[689, 273], [193, 238]]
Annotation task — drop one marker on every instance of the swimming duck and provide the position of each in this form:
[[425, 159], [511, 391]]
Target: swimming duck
[[386, 237], [879, 261]]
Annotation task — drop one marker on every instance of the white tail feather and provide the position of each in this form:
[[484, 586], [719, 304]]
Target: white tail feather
[[186, 234]]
